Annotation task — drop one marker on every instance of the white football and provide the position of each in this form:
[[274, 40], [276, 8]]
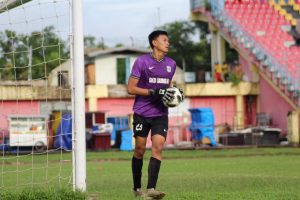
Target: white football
[[178, 98]]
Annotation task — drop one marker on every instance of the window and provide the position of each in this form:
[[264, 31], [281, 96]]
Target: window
[[121, 70], [63, 78]]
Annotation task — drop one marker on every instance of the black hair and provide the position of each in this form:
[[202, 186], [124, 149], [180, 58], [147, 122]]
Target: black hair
[[152, 36]]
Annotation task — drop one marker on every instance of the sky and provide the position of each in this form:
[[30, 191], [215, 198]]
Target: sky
[[112, 21], [130, 21]]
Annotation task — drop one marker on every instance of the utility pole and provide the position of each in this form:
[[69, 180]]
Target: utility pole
[[132, 41], [29, 63], [29, 49], [158, 16], [102, 43]]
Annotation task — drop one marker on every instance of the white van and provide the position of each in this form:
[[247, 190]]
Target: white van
[[26, 131]]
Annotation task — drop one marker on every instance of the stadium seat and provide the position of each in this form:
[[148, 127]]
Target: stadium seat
[[258, 27]]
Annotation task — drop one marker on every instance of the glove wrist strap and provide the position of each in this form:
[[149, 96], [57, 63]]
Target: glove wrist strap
[[160, 92], [151, 92]]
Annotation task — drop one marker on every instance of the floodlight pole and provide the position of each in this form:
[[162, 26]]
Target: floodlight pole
[[78, 96]]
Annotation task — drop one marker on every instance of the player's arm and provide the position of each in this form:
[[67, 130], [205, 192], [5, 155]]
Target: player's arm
[[133, 89]]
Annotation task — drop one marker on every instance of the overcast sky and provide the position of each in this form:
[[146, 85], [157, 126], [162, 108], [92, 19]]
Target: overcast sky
[[115, 21], [130, 21]]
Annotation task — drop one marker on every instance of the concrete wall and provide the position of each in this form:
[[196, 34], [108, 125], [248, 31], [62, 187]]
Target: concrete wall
[[116, 106], [221, 89], [53, 75], [224, 108], [23, 108], [273, 104], [106, 70], [246, 69], [47, 107], [115, 100], [32, 92]]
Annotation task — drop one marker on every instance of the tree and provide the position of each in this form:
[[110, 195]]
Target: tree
[[119, 45], [6, 58], [89, 41], [189, 53], [48, 52], [101, 44]]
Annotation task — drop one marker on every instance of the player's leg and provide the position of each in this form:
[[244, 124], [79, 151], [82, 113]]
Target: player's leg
[[154, 167], [141, 130], [159, 133], [137, 164]]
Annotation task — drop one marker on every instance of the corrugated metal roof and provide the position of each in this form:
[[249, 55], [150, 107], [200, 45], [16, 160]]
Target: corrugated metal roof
[[92, 53]]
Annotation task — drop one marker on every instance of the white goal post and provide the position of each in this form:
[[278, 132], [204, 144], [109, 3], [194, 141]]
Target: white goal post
[[79, 97], [76, 56]]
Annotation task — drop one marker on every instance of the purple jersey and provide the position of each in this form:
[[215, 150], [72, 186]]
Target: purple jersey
[[152, 74]]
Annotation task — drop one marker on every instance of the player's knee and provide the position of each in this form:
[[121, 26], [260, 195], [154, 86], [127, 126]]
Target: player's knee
[[157, 149], [139, 152]]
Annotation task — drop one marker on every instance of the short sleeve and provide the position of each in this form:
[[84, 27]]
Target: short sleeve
[[174, 68], [136, 69]]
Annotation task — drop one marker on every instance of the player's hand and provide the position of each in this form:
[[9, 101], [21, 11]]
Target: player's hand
[[160, 92], [168, 96], [165, 94], [181, 91]]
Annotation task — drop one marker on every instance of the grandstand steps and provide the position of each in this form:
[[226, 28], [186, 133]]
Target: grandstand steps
[[269, 75], [286, 28], [290, 9], [280, 88], [260, 35], [277, 82], [292, 31], [295, 35], [289, 43]]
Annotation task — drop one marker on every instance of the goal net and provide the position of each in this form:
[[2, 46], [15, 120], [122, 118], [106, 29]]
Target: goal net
[[36, 104]]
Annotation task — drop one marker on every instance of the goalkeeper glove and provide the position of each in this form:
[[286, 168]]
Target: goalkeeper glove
[[165, 94], [182, 94], [181, 91]]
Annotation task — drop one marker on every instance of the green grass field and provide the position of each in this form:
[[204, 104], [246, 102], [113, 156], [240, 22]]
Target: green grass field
[[252, 173]]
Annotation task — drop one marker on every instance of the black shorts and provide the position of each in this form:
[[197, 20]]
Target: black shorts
[[157, 125]]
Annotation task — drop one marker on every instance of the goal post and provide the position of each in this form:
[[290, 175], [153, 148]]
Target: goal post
[[79, 96], [41, 51]]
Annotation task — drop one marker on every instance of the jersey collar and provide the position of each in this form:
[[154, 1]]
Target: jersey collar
[[151, 54]]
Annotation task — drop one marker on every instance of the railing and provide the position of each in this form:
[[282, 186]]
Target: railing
[[201, 3], [197, 4], [277, 66]]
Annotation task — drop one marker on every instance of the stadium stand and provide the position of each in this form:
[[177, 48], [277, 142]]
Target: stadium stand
[[267, 30]]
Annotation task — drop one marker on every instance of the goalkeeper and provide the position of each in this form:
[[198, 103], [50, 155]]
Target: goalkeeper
[[149, 80]]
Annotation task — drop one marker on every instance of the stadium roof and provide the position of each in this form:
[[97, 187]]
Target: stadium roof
[[92, 53]]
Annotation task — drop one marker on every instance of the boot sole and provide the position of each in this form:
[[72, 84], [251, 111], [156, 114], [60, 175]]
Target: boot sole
[[159, 196]]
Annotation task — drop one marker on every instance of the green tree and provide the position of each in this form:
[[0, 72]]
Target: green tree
[[189, 52], [101, 44], [119, 45], [48, 52], [7, 58], [89, 41]]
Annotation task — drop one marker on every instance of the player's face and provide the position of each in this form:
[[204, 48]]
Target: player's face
[[161, 43]]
